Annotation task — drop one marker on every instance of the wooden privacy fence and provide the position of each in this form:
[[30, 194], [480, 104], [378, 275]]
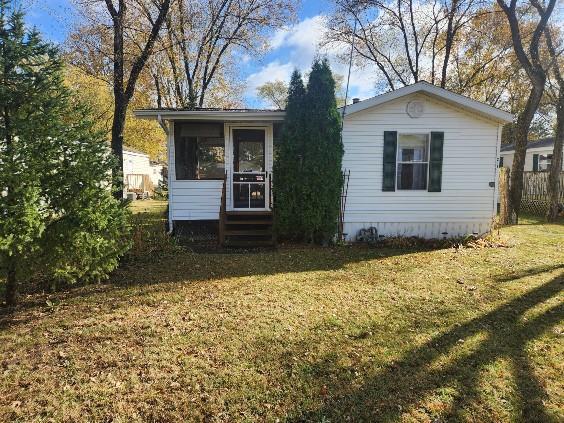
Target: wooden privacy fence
[[535, 199]]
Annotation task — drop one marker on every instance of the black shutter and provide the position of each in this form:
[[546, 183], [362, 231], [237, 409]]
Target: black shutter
[[436, 161], [389, 170], [535, 162]]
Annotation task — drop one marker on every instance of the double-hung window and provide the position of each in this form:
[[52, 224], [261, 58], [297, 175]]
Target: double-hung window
[[412, 161]]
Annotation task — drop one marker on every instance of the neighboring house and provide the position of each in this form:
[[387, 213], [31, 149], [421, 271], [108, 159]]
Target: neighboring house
[[156, 174], [422, 162], [139, 173], [537, 159]]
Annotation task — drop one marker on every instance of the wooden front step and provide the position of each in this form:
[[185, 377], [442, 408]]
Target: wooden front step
[[247, 229], [249, 232], [248, 222]]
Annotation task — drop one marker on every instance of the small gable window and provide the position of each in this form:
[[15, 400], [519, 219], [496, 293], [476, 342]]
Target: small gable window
[[412, 161]]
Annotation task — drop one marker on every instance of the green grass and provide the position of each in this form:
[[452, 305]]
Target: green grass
[[148, 206], [300, 334]]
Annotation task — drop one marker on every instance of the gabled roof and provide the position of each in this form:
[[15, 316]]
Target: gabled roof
[[447, 96], [542, 143], [133, 150]]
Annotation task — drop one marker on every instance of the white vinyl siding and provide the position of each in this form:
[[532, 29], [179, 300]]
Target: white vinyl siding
[[465, 204], [508, 157], [191, 200]]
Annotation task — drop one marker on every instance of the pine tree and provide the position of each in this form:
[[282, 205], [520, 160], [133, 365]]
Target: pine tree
[[323, 153], [58, 219], [288, 163]]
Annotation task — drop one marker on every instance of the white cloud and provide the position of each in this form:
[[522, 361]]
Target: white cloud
[[278, 39], [272, 72], [299, 45]]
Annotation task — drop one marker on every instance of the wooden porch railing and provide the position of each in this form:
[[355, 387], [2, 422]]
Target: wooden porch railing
[[222, 211]]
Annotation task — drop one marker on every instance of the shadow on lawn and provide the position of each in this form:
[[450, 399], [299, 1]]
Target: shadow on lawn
[[509, 277], [188, 266], [404, 383], [185, 266]]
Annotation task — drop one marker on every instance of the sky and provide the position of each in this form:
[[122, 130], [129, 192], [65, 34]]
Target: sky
[[294, 47]]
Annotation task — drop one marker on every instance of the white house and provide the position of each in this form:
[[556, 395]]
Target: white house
[[422, 162], [137, 166], [537, 159]]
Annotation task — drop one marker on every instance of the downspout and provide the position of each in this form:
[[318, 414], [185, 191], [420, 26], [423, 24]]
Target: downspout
[[167, 132], [161, 122]]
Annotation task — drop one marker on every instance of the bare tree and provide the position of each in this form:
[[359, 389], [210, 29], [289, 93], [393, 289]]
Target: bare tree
[[555, 93], [124, 86], [275, 93], [116, 46], [556, 163], [406, 40], [203, 37], [531, 62]]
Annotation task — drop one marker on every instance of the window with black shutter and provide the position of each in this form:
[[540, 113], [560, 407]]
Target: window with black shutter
[[412, 161]]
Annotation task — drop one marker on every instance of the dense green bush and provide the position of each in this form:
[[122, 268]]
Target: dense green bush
[[58, 220], [307, 170], [288, 159]]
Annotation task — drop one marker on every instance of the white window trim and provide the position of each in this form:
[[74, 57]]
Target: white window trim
[[398, 162]]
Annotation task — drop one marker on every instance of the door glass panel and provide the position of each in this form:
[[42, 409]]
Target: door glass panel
[[249, 177], [249, 150], [241, 196]]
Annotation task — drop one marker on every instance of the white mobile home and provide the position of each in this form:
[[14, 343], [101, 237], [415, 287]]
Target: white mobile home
[[422, 162], [537, 159], [139, 173]]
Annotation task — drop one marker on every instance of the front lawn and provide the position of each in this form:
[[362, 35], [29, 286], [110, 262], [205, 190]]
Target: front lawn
[[300, 334]]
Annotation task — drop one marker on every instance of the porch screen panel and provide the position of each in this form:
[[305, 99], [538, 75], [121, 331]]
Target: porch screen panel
[[199, 151]]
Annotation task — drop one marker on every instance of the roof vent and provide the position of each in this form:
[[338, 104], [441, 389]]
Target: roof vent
[[356, 100]]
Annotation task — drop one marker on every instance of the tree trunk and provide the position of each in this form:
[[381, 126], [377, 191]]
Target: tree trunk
[[11, 282], [448, 43], [120, 102], [159, 93], [521, 136], [504, 216], [118, 126], [556, 164]]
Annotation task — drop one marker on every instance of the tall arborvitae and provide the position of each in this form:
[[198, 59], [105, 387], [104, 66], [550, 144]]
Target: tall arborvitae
[[58, 219], [323, 154], [288, 200]]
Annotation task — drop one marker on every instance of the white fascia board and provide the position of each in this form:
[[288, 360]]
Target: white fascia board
[[440, 93], [275, 115]]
